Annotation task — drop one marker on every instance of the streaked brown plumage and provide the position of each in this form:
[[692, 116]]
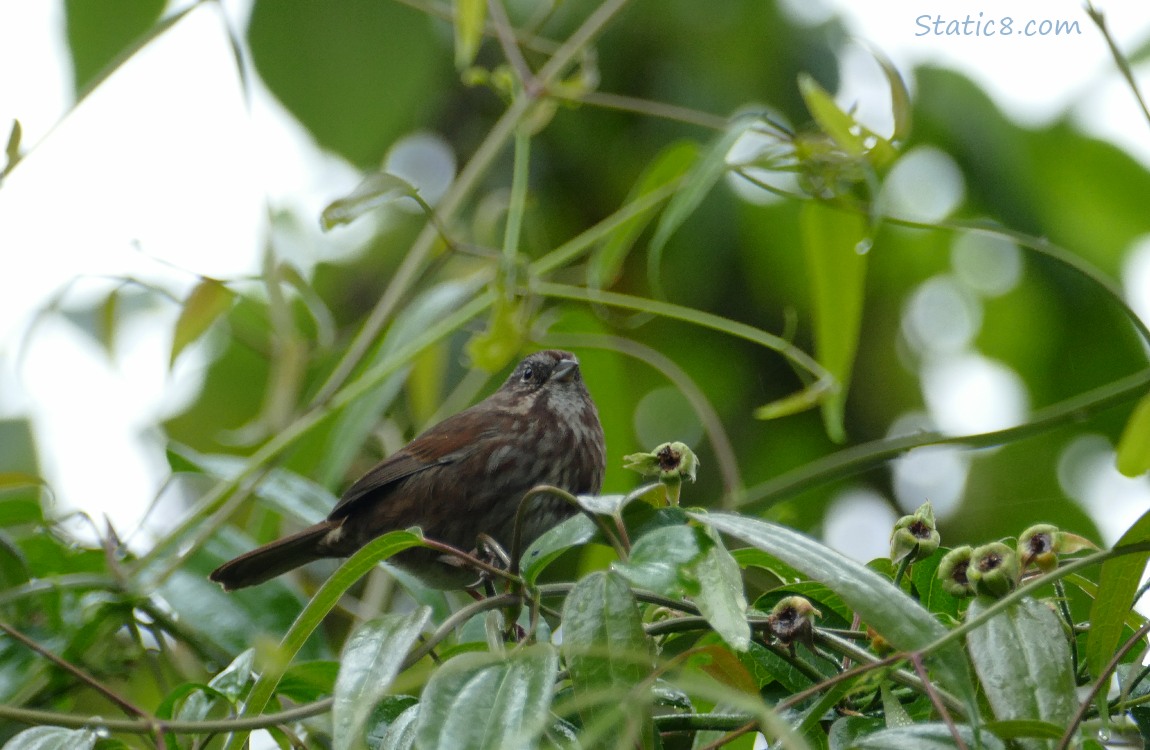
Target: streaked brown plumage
[[463, 477]]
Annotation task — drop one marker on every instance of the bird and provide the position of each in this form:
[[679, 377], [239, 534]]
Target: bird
[[460, 479]]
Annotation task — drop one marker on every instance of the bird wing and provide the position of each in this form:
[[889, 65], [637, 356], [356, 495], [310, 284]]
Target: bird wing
[[434, 448]]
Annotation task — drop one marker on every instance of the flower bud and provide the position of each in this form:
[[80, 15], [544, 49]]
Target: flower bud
[[914, 535], [952, 571], [670, 462], [1042, 543], [993, 570], [793, 619]]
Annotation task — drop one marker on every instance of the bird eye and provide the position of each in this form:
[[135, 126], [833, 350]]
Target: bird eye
[[528, 374]]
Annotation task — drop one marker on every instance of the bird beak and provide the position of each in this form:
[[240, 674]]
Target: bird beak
[[565, 370]]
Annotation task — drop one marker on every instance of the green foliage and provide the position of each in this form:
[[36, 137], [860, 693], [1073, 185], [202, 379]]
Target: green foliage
[[599, 220]]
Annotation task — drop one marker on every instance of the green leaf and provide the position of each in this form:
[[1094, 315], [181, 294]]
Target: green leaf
[[893, 614], [1016, 729], [487, 701], [831, 239], [470, 17], [53, 738], [376, 190], [12, 148], [230, 684], [766, 666], [924, 737], [574, 532], [1023, 662], [607, 654], [371, 659], [659, 560], [840, 126], [309, 681], [900, 105], [207, 301], [1134, 447], [1117, 581], [706, 171], [392, 723], [668, 167], [896, 715], [720, 597]]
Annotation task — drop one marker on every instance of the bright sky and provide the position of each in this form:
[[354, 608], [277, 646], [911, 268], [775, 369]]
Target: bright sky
[[166, 172]]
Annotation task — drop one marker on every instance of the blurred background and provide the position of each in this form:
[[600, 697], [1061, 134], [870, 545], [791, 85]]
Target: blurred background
[[212, 149]]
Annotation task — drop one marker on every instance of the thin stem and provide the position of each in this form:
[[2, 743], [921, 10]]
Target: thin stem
[[903, 566], [123, 703], [695, 317], [1119, 59], [646, 107], [916, 660], [517, 207], [505, 33], [858, 458], [37, 717]]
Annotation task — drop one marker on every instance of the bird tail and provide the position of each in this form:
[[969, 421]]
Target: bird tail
[[275, 558]]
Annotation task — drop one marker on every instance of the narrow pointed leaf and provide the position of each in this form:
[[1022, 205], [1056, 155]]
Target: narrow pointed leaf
[[484, 701], [831, 239], [903, 622], [1117, 581], [721, 598], [840, 126], [207, 302], [1134, 447], [369, 663], [706, 171], [606, 651], [668, 167]]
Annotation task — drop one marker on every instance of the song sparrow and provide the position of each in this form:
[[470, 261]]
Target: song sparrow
[[461, 478]]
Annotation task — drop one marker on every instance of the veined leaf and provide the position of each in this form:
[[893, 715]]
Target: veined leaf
[[607, 654], [485, 701], [369, 663], [1023, 663]]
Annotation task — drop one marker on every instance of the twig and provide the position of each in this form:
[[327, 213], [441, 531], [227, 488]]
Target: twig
[[931, 693], [123, 703], [1123, 65]]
